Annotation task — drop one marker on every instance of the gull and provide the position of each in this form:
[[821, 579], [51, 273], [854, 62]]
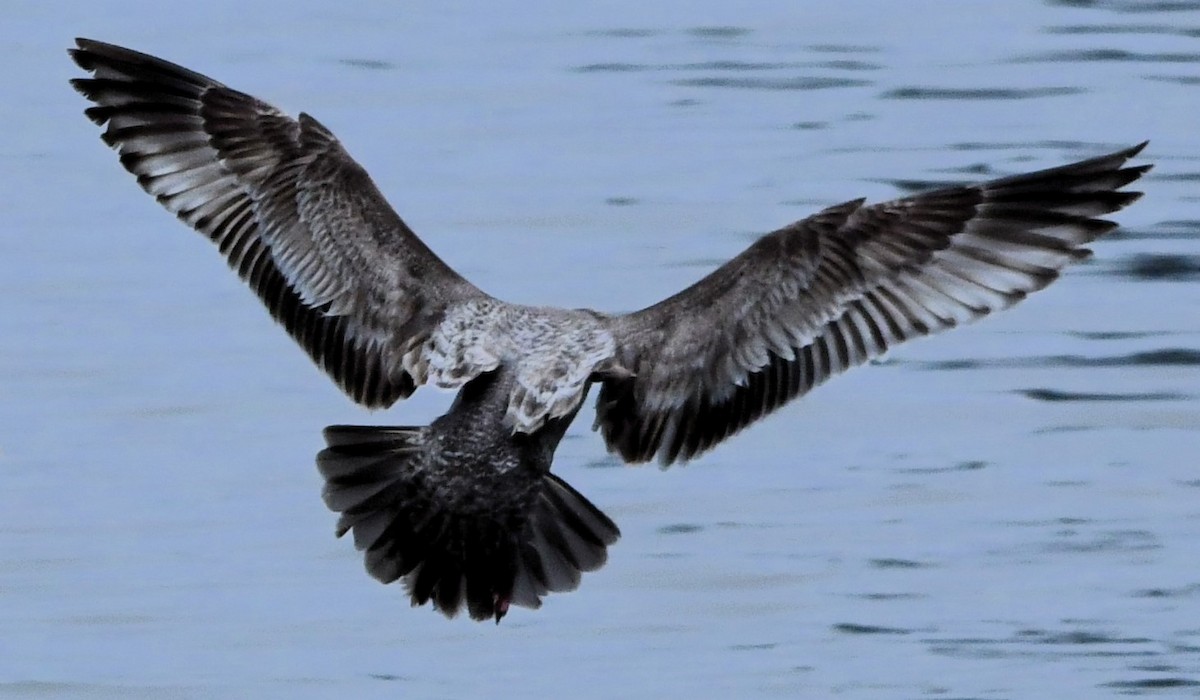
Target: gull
[[465, 511]]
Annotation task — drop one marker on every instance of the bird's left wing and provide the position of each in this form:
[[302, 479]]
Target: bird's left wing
[[294, 215]]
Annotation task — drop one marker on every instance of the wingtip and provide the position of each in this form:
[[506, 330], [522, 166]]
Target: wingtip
[[1127, 153], [1130, 152], [79, 55], [1141, 170], [83, 45], [80, 85]]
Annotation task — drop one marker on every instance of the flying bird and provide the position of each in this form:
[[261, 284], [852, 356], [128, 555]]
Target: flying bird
[[465, 511]]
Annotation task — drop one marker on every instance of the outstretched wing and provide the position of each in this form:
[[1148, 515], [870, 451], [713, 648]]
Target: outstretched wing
[[841, 287], [299, 221]]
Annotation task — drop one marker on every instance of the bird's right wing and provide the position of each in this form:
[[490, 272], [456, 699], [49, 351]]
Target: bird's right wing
[[836, 289], [294, 215]]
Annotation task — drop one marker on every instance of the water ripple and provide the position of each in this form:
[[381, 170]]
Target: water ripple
[[719, 32], [889, 596], [1131, 6], [1153, 684], [970, 466], [898, 564], [1165, 357], [1029, 643], [1048, 144], [1078, 637], [1161, 266], [615, 67], [1071, 540], [367, 63], [1091, 29], [852, 628], [1177, 79], [1115, 335], [1054, 395], [624, 32], [1170, 229], [796, 83], [1183, 592], [1115, 55], [934, 93], [734, 66]]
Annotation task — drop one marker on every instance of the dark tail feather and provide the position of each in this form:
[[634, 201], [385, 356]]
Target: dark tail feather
[[416, 522], [566, 536]]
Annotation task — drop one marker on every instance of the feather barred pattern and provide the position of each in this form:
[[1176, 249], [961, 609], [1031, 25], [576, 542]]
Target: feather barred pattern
[[296, 218], [842, 287], [303, 224]]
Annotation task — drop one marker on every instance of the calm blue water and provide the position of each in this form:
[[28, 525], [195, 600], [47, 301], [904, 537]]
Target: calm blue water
[[1007, 511]]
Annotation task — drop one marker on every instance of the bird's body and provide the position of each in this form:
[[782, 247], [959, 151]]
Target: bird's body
[[465, 510], [553, 354]]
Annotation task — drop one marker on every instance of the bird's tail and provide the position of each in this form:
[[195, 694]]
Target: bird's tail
[[458, 536]]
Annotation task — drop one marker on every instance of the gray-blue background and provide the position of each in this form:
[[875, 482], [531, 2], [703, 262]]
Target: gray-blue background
[[1006, 511]]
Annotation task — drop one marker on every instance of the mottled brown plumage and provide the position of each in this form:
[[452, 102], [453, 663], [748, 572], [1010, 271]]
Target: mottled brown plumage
[[465, 510]]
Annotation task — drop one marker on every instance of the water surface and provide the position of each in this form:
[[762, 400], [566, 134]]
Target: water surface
[[1006, 511]]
